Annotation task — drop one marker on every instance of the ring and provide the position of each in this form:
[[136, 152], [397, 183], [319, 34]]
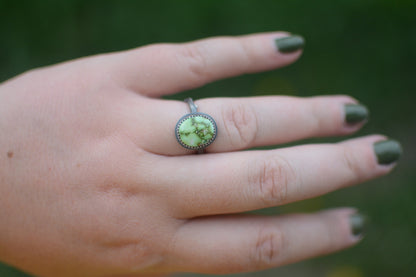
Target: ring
[[196, 130]]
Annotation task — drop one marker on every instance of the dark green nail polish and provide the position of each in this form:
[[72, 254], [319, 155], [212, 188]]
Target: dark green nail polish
[[387, 151], [357, 223], [355, 113], [289, 44]]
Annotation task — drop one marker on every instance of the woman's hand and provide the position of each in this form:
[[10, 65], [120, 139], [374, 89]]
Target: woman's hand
[[94, 182]]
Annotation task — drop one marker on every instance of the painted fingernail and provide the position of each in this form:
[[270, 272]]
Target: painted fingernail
[[357, 223], [289, 44], [387, 151], [355, 113]]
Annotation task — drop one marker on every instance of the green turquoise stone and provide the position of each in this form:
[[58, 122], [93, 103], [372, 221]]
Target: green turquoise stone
[[196, 131]]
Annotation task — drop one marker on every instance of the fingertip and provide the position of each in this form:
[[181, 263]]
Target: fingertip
[[354, 222], [355, 116], [273, 50], [351, 224], [387, 151], [358, 222], [370, 156], [289, 44], [287, 48]]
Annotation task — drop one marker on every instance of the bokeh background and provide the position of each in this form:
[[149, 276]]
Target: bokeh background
[[365, 48]]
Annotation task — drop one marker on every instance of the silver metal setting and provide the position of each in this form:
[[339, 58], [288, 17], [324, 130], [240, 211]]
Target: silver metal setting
[[195, 113]]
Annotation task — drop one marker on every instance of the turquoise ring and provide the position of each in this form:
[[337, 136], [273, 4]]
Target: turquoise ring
[[196, 130]]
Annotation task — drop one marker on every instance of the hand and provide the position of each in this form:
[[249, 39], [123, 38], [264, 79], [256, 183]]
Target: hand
[[94, 183]]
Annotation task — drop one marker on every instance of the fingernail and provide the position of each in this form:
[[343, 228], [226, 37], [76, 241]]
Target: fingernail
[[289, 44], [355, 113], [357, 223], [387, 151]]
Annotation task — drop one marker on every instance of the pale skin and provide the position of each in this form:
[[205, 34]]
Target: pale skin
[[94, 183]]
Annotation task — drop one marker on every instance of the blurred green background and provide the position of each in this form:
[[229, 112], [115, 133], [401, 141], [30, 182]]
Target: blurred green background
[[365, 48]]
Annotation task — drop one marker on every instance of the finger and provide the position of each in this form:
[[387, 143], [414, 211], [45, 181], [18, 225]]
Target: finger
[[249, 122], [224, 244], [168, 68], [243, 181]]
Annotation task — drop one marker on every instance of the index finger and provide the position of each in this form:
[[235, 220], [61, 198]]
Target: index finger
[[161, 69]]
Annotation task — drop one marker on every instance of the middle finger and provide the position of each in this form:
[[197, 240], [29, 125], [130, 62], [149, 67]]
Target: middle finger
[[242, 181]]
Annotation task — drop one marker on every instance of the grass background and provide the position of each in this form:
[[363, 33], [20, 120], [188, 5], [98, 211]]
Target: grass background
[[365, 48]]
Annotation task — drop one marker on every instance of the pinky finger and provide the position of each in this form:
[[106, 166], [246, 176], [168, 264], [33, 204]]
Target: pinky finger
[[243, 243]]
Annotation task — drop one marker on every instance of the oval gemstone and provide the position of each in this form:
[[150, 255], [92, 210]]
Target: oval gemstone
[[196, 131]]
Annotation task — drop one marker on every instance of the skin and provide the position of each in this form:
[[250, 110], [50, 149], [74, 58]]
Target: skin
[[88, 186]]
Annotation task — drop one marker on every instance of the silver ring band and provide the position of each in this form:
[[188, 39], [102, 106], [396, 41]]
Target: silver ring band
[[192, 106]]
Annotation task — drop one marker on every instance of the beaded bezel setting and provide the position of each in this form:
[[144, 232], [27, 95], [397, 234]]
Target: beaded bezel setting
[[195, 131]]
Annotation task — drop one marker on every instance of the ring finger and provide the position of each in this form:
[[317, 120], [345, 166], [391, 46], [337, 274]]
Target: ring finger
[[249, 122]]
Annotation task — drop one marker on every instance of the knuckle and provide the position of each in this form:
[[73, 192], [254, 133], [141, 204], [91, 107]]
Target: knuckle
[[334, 231], [268, 248], [241, 125], [349, 161], [246, 53], [136, 252], [271, 179], [320, 122], [358, 163], [138, 257], [195, 58], [332, 239]]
